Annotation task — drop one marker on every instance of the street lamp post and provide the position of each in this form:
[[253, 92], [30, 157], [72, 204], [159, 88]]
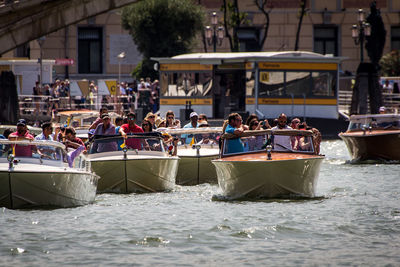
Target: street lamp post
[[41, 42], [120, 57], [360, 31], [214, 35]]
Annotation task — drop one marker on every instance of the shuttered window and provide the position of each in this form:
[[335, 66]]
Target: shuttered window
[[90, 50], [326, 40], [395, 38]]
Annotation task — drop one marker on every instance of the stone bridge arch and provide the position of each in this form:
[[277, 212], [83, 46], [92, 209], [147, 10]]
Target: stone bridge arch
[[26, 20]]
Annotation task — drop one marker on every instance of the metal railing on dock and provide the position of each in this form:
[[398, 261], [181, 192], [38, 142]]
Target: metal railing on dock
[[390, 100]]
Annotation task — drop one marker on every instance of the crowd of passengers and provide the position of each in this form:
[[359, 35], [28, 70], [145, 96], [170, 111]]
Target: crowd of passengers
[[125, 126]]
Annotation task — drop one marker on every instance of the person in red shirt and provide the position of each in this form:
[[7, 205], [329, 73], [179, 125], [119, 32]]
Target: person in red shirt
[[131, 127], [22, 133]]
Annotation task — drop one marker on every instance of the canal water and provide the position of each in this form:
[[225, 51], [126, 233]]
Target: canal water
[[354, 220]]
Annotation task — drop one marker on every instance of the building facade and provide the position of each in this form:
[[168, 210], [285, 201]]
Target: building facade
[[94, 44]]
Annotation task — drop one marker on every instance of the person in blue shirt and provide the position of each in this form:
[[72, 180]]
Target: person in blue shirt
[[118, 122], [235, 127], [194, 117]]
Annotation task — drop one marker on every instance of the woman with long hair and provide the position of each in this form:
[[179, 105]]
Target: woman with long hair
[[171, 122], [147, 126]]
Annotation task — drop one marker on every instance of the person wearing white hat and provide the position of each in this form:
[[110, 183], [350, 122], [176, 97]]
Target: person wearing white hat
[[382, 110], [194, 117]]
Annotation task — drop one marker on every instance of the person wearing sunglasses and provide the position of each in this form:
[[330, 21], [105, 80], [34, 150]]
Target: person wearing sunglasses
[[282, 142], [98, 120], [295, 123], [152, 118], [47, 134], [203, 118], [132, 127], [171, 122], [234, 126], [106, 128], [146, 126]]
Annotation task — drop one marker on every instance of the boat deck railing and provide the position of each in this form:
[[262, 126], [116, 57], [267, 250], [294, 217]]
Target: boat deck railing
[[390, 100], [42, 107]]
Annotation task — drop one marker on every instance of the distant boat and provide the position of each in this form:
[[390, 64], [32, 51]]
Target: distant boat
[[133, 170], [31, 129], [268, 171], [195, 165], [27, 182], [373, 137], [81, 120]]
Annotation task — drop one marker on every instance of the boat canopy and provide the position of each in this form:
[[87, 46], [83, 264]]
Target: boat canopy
[[242, 57]]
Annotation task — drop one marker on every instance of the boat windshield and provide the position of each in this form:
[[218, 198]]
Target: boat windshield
[[360, 122], [49, 150], [204, 136], [294, 141], [138, 141]]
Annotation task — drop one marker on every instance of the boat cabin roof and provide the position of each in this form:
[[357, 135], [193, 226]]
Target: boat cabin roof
[[374, 121], [200, 130], [46, 143], [241, 57]]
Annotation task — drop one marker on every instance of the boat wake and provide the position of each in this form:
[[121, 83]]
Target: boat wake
[[283, 199]]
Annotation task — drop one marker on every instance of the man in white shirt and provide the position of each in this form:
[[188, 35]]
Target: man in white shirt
[[282, 142]]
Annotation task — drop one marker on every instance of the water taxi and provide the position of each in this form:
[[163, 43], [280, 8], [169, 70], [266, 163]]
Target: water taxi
[[13, 128], [373, 137], [263, 169], [144, 167], [49, 181], [81, 120], [196, 150]]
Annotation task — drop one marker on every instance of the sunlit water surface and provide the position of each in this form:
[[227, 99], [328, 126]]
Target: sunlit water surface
[[355, 220]]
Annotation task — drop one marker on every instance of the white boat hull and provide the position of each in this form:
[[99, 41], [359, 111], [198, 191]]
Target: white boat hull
[[268, 178], [136, 174], [21, 188], [196, 169]]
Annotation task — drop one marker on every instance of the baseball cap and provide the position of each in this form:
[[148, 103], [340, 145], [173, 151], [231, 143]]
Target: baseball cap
[[21, 122], [193, 114], [382, 108]]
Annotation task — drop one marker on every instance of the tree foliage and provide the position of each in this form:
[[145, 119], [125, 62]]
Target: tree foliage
[[390, 64], [233, 19], [163, 28]]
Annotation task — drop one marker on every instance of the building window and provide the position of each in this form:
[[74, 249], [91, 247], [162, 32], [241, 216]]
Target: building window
[[90, 50], [395, 38], [248, 39], [326, 40], [23, 51]]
